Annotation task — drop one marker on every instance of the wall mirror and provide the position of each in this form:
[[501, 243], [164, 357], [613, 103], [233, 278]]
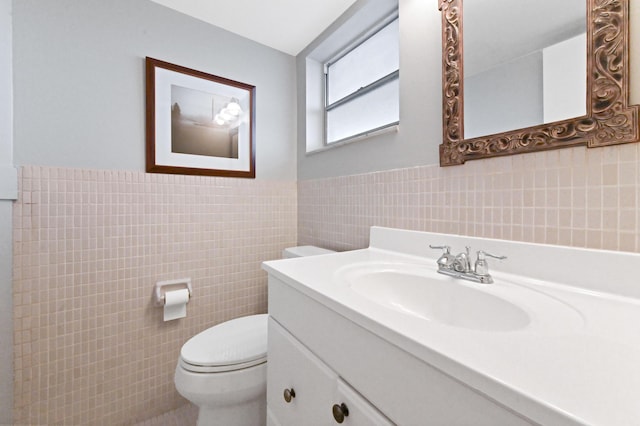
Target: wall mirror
[[537, 77]]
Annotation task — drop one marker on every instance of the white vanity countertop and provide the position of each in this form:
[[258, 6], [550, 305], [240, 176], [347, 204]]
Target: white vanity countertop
[[579, 365]]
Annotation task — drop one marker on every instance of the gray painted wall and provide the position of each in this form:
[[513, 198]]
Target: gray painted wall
[[79, 81], [420, 132], [79, 98], [8, 184]]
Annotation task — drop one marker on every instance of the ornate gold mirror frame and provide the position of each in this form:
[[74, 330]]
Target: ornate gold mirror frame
[[609, 119]]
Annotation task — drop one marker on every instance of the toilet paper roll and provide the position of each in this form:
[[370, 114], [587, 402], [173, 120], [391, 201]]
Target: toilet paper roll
[[175, 304]]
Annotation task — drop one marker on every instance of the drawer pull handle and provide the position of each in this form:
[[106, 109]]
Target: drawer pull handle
[[289, 394], [340, 412]]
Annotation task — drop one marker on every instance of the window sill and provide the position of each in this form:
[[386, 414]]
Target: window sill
[[364, 136]]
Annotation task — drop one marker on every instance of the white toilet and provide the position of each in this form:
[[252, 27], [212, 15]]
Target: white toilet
[[223, 370]]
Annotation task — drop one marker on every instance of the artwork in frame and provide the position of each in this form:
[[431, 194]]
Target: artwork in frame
[[198, 123]]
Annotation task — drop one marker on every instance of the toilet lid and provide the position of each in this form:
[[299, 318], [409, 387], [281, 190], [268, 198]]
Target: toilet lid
[[234, 344]]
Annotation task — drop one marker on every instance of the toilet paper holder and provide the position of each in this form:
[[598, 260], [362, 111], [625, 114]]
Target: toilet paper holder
[[162, 287]]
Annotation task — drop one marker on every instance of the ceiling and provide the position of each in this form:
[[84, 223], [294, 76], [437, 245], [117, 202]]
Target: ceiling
[[285, 25]]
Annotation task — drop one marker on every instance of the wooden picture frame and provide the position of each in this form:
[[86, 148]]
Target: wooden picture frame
[[198, 123]]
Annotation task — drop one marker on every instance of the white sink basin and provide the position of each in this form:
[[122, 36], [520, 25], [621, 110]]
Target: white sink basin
[[421, 292], [437, 300]]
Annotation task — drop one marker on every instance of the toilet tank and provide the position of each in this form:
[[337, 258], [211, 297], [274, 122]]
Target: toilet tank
[[300, 251]]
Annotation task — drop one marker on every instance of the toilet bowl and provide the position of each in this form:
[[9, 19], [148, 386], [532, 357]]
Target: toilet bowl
[[223, 369]]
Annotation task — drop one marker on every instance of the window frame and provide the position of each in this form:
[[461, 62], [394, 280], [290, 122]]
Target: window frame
[[348, 48]]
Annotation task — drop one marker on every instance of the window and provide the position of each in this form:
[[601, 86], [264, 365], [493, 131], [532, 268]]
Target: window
[[361, 85]]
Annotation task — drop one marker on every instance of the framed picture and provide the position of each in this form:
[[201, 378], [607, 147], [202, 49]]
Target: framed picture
[[198, 123]]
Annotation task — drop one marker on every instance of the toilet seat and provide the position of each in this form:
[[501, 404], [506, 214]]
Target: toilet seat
[[220, 368], [232, 345]]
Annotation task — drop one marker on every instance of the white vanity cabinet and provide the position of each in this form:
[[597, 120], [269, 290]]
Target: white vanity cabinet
[[329, 360], [424, 348], [302, 390]]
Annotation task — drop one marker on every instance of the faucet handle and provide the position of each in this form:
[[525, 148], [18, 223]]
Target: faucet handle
[[446, 249], [446, 259], [481, 266], [484, 253]]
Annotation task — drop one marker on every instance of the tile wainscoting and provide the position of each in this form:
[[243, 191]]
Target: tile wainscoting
[[577, 197], [89, 245]]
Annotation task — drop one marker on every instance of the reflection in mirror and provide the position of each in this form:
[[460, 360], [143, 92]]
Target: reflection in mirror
[[534, 56], [608, 119]]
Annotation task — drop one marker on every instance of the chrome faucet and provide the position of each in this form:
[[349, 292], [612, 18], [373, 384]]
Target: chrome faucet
[[463, 261], [447, 259], [459, 266]]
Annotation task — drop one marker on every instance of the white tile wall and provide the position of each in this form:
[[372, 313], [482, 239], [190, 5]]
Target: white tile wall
[[88, 247], [577, 197]]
